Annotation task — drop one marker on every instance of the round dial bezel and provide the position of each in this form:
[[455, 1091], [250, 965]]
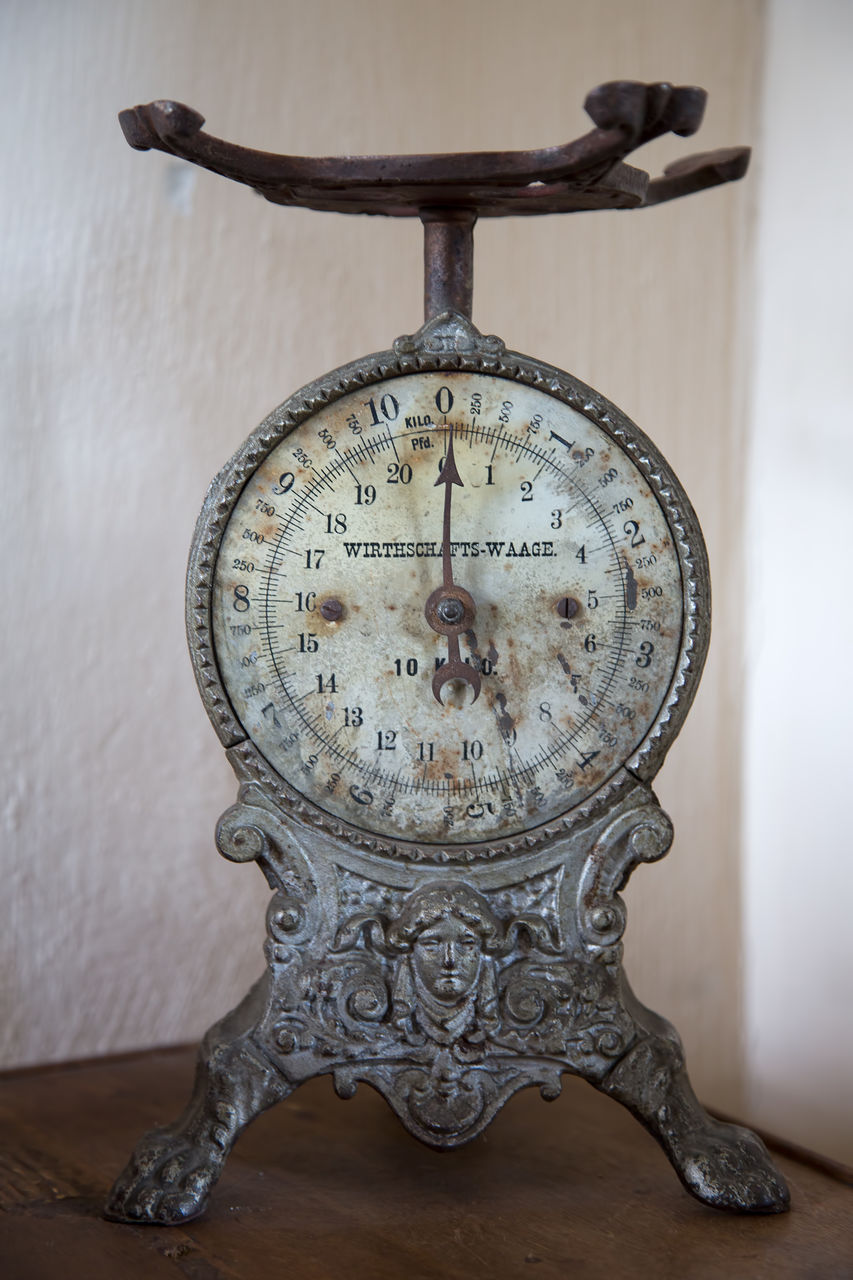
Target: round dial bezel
[[424, 352]]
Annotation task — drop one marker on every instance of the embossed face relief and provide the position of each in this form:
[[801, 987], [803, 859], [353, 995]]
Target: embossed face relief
[[446, 959], [447, 607]]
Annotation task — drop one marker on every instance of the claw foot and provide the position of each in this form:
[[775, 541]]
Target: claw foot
[[167, 1181], [728, 1167]]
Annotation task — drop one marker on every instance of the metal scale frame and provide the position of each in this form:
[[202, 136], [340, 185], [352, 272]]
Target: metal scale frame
[[348, 989]]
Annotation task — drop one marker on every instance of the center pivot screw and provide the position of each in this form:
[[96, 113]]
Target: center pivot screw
[[451, 611]]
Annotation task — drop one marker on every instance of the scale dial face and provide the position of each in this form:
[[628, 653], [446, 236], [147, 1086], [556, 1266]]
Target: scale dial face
[[561, 630]]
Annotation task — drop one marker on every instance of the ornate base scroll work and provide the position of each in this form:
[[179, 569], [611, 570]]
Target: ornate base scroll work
[[447, 992]]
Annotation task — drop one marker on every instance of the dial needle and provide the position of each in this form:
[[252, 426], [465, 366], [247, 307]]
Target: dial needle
[[450, 610], [449, 476]]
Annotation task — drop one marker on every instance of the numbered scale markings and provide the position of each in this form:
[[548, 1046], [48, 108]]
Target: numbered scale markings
[[337, 542]]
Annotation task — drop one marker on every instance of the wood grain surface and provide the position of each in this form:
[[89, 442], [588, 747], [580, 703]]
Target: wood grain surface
[[320, 1189]]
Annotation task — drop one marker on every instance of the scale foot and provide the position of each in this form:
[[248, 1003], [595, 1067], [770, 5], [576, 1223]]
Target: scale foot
[[723, 1165], [728, 1167], [169, 1177], [167, 1180]]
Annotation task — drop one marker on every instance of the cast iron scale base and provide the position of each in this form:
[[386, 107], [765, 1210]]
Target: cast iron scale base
[[445, 922]]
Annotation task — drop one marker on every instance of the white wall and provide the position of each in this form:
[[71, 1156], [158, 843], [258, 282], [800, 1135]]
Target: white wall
[[155, 314], [798, 609]]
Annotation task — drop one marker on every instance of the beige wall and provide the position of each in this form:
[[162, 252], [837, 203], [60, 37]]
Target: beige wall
[[155, 314], [797, 870]]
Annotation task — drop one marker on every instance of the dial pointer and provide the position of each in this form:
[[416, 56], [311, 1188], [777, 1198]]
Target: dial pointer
[[455, 669], [449, 476], [451, 609]]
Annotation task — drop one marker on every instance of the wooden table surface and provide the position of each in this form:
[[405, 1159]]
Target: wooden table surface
[[320, 1189]]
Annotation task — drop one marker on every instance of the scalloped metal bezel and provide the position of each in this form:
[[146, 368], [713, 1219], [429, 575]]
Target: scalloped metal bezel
[[449, 342]]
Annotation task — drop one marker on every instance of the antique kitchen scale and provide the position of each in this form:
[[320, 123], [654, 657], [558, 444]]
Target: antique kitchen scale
[[447, 609]]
